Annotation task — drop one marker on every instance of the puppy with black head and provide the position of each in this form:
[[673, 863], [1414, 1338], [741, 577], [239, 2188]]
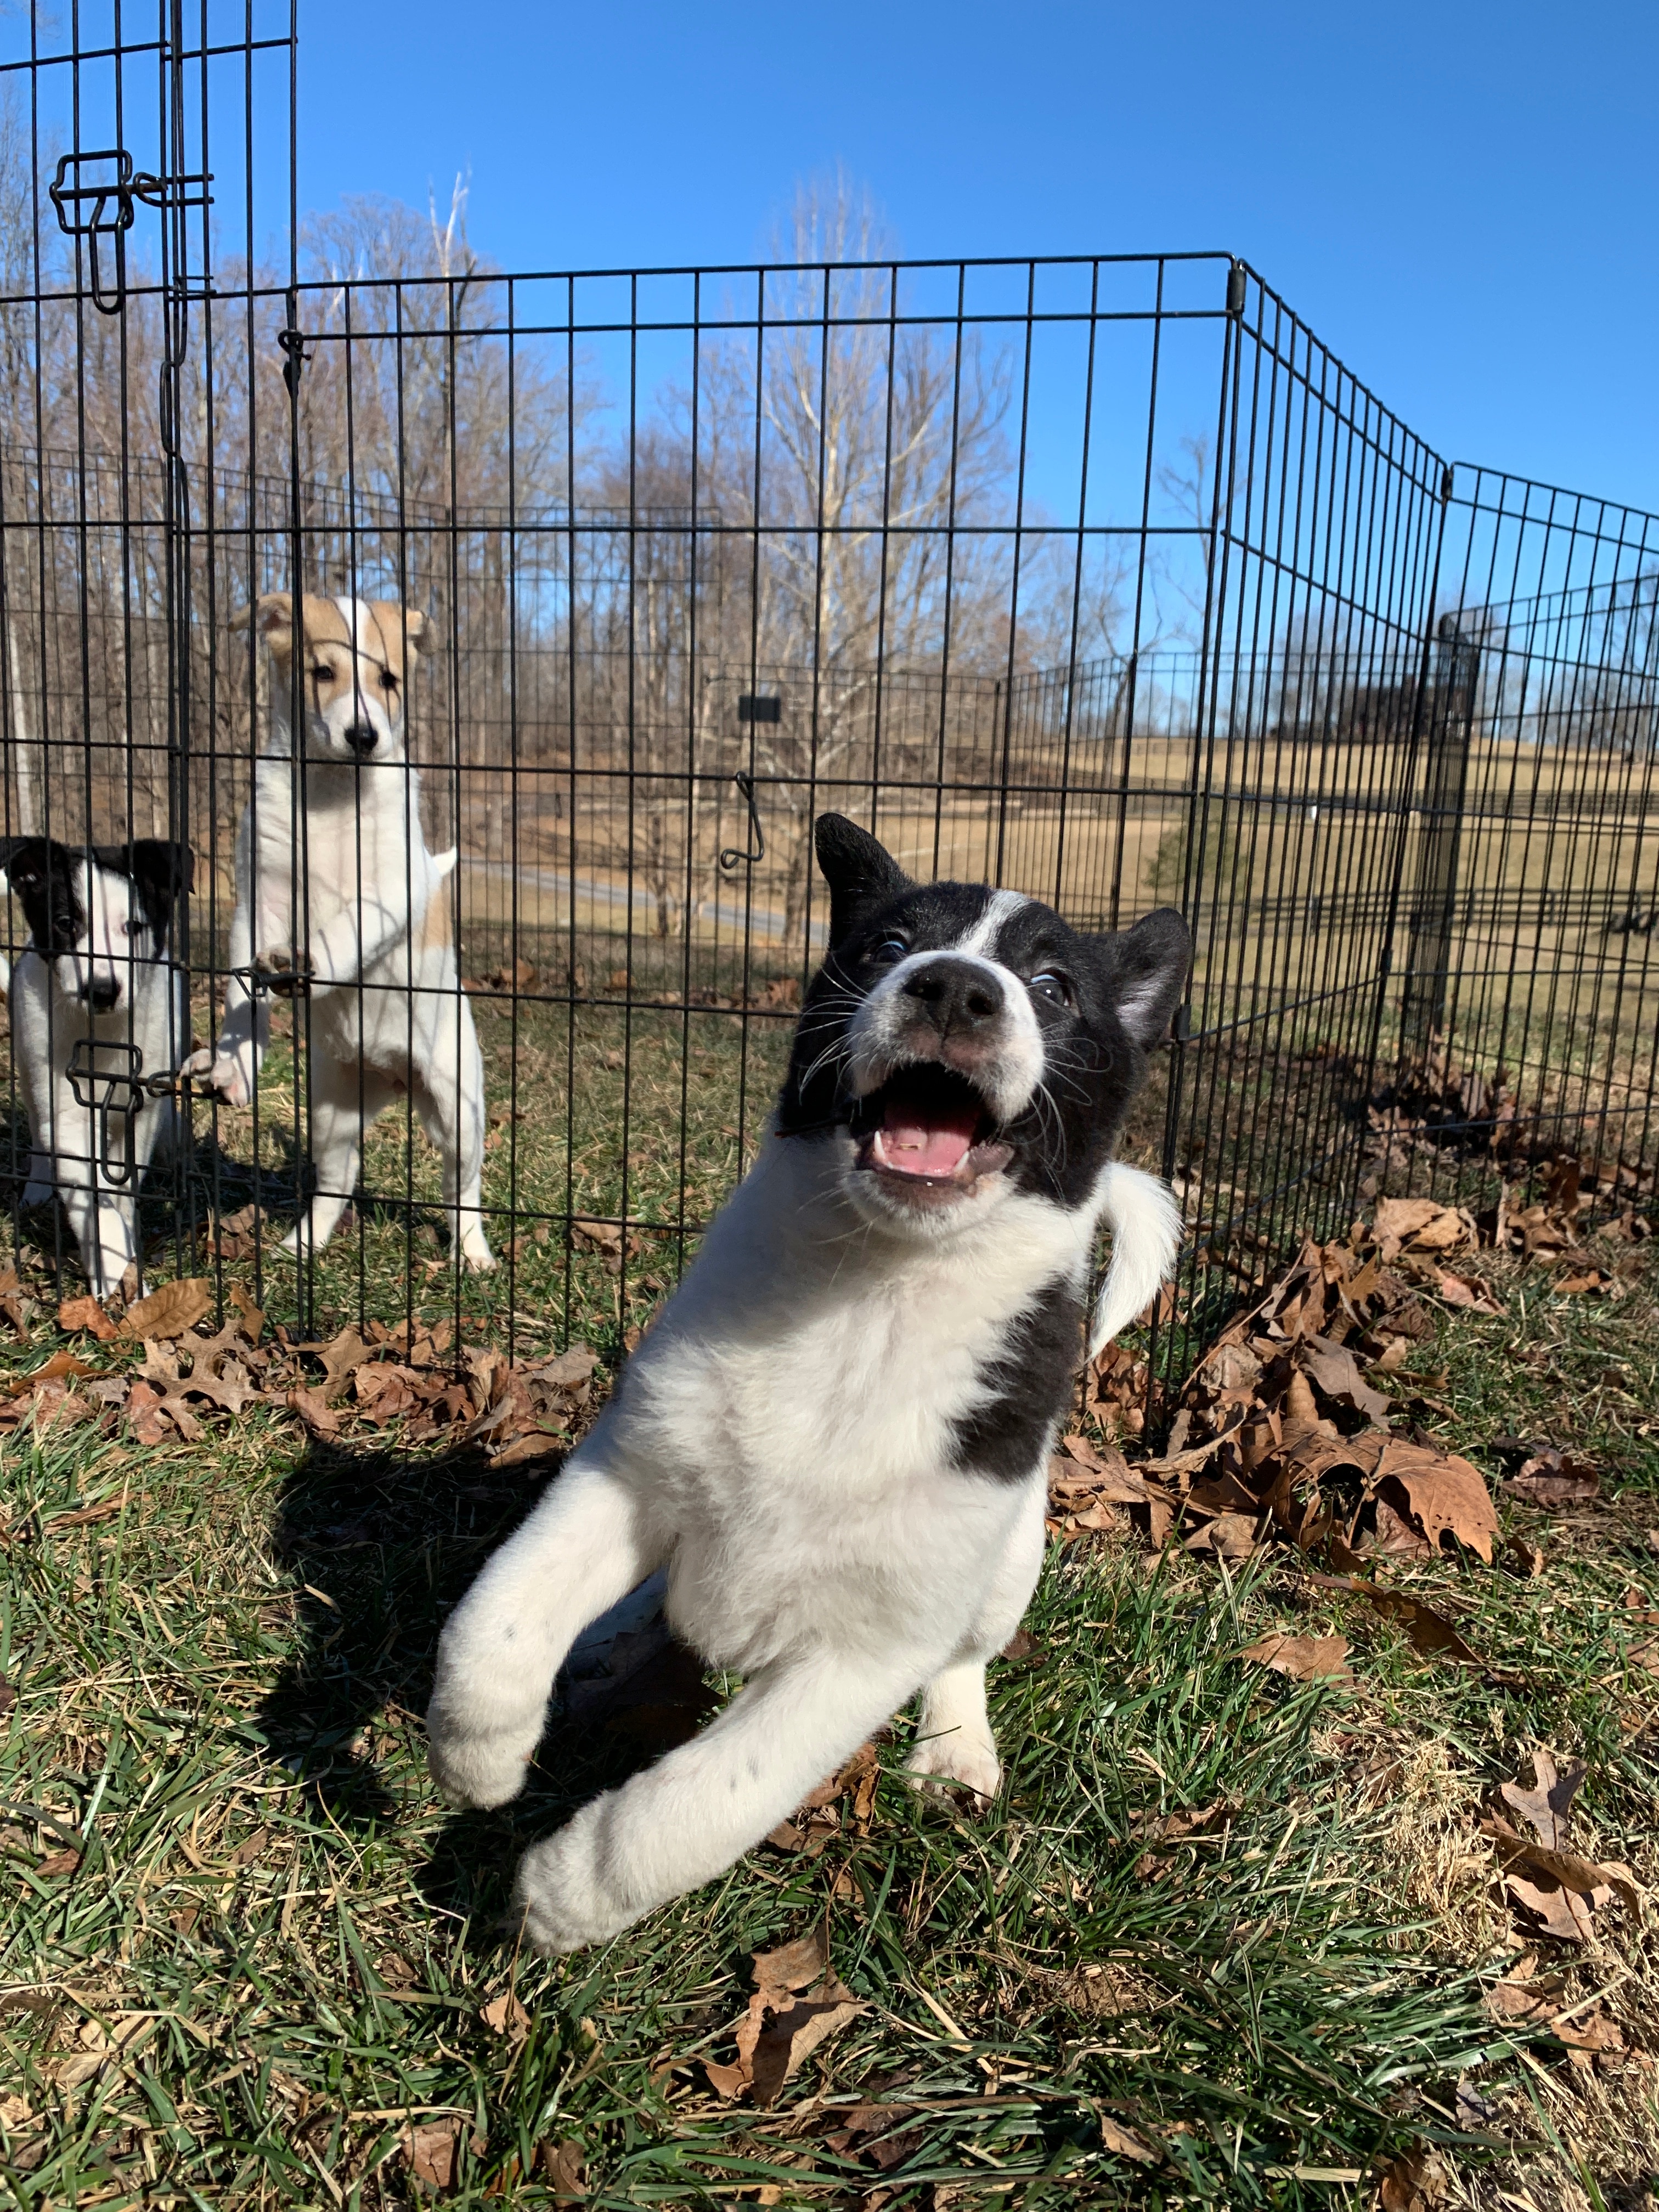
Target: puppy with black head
[[99, 965], [835, 1434]]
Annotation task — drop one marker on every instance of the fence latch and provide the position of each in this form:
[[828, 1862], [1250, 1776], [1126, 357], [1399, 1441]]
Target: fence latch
[[113, 1095], [111, 199], [732, 858]]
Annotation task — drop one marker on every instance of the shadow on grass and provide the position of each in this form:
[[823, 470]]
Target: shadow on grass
[[379, 1546]]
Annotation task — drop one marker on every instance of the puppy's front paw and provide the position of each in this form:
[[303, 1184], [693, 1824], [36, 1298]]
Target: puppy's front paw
[[286, 971], [963, 1757], [560, 1894], [475, 1255], [219, 1074], [475, 1770]]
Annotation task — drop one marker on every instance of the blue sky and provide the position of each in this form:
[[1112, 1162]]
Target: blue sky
[[1460, 199]]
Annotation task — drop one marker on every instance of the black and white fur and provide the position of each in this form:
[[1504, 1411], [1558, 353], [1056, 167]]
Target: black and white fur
[[98, 963], [835, 1434]]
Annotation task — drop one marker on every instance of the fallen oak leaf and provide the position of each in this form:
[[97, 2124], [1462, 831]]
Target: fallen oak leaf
[[319, 1417], [169, 1312], [1447, 1495], [432, 2152], [1423, 1224], [564, 2168], [1303, 1658], [1336, 1372], [87, 1314], [1546, 1805], [1552, 1477], [1467, 1292], [1416, 2181], [1124, 2143], [63, 1367], [1428, 1631], [505, 2015], [791, 2036]]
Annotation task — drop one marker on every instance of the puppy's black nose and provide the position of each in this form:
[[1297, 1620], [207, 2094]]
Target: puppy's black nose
[[100, 993], [957, 994], [363, 738]]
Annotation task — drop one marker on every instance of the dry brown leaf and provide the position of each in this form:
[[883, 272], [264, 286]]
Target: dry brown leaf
[[1423, 1224], [1229, 1536], [1467, 1292], [1428, 1631], [431, 2152], [60, 1862], [791, 2036], [144, 1407], [505, 2015], [1546, 1805], [1305, 1658], [781, 2030], [171, 1311], [792, 1966], [1416, 2181], [1336, 1372], [1444, 1493], [1124, 2143], [87, 1314], [565, 2169], [319, 1417], [1551, 1477], [347, 1352]]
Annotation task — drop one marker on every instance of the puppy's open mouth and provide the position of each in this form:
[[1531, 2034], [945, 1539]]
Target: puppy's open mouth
[[927, 1131]]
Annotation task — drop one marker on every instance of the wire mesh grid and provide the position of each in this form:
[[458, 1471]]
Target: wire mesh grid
[[1101, 579]]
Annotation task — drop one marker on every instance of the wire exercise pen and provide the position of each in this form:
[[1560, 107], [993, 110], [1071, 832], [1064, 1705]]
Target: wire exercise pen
[[1099, 578]]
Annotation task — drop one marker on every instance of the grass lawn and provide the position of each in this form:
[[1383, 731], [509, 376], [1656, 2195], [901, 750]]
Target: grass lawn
[[1223, 1940]]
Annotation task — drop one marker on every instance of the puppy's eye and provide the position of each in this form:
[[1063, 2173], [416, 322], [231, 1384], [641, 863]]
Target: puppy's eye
[[388, 681], [1048, 984], [323, 674], [890, 950]]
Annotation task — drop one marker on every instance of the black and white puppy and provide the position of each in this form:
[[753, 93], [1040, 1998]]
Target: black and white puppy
[[98, 964], [835, 1434]]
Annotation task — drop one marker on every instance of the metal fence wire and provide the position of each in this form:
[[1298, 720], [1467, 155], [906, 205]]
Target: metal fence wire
[[1098, 578]]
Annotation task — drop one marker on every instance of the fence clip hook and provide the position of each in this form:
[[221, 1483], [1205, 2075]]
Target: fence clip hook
[[113, 1095], [733, 858]]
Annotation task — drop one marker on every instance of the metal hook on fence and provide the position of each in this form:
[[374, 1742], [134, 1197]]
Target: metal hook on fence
[[291, 344], [68, 191], [114, 1094], [733, 858]]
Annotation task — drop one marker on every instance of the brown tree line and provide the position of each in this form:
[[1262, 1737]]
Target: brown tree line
[[816, 506]]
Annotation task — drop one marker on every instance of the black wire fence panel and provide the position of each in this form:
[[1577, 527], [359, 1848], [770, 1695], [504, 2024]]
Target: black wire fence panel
[[1099, 578]]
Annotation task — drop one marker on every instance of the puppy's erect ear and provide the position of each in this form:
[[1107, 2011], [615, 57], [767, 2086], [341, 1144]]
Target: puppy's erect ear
[[161, 863], [415, 628], [26, 862], [272, 617], [1149, 965], [859, 871], [161, 869]]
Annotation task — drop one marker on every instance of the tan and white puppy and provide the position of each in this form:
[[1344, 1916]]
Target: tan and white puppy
[[339, 899]]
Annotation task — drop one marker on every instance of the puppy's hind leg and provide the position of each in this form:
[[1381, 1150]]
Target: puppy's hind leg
[[585, 1544], [343, 1104], [449, 1093], [687, 1818], [954, 1742]]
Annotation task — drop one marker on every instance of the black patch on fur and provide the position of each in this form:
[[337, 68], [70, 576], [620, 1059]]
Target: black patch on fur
[[1121, 992], [46, 881], [160, 870], [45, 876], [1031, 1379]]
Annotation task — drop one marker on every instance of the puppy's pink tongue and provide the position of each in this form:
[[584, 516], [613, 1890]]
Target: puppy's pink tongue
[[937, 1146]]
